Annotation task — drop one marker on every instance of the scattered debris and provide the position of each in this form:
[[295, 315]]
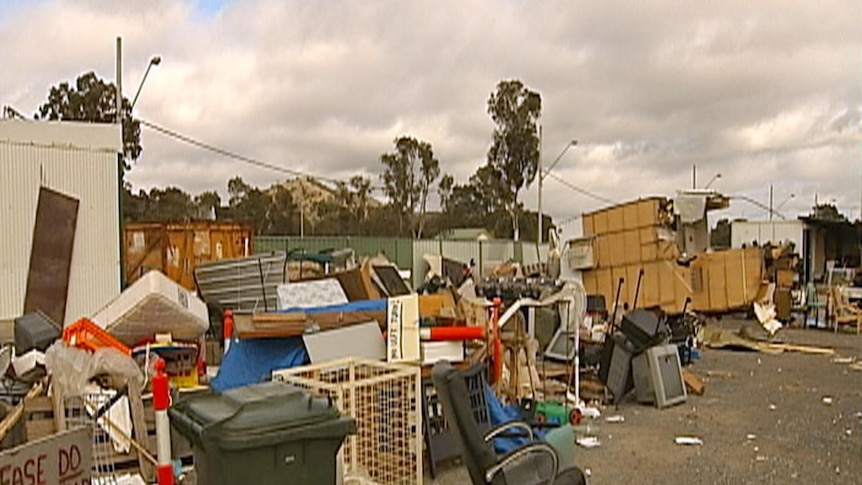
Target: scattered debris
[[827, 400], [688, 440], [766, 315], [750, 436], [617, 418], [588, 441]]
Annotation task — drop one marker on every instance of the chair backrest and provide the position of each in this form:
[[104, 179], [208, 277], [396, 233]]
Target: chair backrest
[[452, 391], [843, 307]]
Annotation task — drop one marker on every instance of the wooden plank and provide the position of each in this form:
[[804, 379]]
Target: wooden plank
[[693, 383], [12, 418], [805, 349], [39, 405], [136, 406]]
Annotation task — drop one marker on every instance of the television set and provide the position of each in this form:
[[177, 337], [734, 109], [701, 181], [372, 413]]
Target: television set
[[665, 375]]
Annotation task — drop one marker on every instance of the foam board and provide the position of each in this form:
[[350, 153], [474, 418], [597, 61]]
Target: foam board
[[363, 340]]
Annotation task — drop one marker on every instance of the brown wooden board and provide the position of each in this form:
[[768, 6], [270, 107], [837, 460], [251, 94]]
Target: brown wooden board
[[51, 254]]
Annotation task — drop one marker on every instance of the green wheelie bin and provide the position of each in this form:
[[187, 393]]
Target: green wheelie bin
[[264, 434]]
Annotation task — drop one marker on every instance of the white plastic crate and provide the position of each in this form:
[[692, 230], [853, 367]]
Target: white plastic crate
[[385, 400]]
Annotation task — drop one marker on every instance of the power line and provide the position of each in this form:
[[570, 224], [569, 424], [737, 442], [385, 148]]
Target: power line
[[580, 190], [233, 155]]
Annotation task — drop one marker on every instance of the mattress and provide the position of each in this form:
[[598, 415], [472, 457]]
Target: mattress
[[154, 304]]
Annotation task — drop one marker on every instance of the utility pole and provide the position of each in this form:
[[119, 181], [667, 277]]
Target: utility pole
[[539, 237], [693, 176], [119, 99], [770, 202]]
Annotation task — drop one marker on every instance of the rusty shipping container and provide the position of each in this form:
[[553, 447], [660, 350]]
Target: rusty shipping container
[[176, 248]]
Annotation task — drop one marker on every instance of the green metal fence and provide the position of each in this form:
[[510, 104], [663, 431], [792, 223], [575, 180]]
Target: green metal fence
[[408, 253], [397, 250]]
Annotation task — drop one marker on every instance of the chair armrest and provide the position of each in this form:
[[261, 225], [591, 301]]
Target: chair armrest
[[493, 432], [515, 455]]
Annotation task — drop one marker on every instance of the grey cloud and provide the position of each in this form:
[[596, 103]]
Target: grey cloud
[[648, 88]]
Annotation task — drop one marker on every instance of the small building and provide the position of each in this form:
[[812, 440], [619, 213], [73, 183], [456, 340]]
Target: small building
[[77, 166], [820, 242]]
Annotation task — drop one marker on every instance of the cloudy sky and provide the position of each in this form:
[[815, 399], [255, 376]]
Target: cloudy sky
[[765, 92]]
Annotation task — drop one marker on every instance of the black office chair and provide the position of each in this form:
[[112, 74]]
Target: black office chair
[[533, 464]]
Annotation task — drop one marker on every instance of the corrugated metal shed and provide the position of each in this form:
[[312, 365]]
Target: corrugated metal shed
[[76, 159]]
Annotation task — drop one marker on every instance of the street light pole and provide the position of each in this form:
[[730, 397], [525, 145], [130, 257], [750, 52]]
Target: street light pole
[[543, 173], [155, 61]]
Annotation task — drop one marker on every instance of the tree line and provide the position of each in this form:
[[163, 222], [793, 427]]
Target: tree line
[[411, 174]]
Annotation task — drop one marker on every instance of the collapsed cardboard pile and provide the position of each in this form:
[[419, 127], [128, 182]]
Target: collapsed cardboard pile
[[634, 246]]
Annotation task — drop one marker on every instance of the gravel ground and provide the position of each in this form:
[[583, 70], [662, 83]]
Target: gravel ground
[[763, 419]]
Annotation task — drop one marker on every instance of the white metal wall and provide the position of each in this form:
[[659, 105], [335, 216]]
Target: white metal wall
[[744, 232], [76, 159]]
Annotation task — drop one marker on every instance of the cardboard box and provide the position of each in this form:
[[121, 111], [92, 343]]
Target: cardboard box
[[631, 218], [603, 256], [588, 224], [784, 278], [632, 290], [648, 212], [617, 248], [726, 280], [650, 286], [615, 219], [605, 285], [632, 247], [617, 274], [667, 285], [600, 222], [590, 281]]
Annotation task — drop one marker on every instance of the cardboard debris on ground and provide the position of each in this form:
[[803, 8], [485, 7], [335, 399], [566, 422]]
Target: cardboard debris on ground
[[718, 338], [766, 315]]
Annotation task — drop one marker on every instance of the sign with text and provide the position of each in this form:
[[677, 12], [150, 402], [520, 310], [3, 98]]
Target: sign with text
[[64, 458], [402, 314]]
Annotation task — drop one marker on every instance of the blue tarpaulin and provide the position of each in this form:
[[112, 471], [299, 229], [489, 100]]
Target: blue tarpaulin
[[500, 414], [252, 361]]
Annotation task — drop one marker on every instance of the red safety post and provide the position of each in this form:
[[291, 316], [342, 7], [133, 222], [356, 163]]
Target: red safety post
[[496, 342], [161, 403], [227, 329]]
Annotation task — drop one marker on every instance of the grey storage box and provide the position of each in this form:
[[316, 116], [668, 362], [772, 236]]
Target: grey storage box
[[35, 331], [267, 434]]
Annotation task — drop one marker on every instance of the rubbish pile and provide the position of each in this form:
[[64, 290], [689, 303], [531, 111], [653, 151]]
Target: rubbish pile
[[276, 349]]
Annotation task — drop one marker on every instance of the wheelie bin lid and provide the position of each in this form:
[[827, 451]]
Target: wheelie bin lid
[[259, 415]]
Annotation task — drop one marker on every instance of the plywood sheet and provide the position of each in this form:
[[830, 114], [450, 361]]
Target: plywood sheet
[[51, 254]]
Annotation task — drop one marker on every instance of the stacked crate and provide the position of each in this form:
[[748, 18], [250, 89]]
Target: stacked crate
[[629, 238]]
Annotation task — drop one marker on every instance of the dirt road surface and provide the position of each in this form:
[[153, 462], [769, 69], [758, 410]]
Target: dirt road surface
[[764, 419]]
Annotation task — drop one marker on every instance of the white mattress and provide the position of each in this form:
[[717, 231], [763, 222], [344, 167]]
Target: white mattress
[[154, 304]]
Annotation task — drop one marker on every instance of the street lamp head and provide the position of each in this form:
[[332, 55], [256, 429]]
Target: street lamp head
[[573, 142], [156, 60]]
